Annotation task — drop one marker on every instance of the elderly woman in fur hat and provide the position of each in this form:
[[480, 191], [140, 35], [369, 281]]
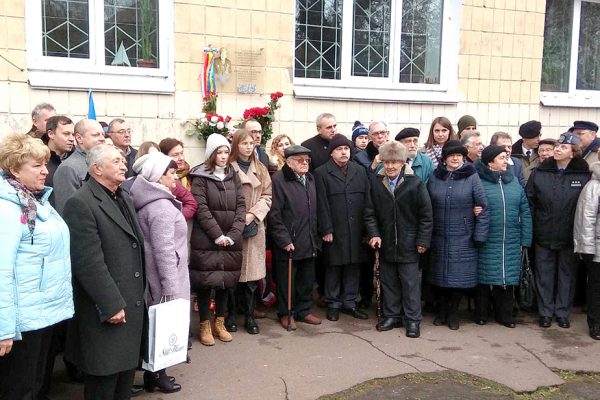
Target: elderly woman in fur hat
[[396, 191]]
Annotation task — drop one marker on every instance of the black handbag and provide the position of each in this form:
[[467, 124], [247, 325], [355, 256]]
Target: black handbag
[[250, 230], [527, 295]]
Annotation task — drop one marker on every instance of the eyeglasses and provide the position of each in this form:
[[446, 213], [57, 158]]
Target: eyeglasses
[[301, 160], [123, 131], [380, 133], [256, 132]]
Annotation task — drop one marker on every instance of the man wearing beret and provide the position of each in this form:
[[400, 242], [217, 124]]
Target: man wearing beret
[[586, 131], [293, 229], [342, 192], [525, 148], [419, 162]]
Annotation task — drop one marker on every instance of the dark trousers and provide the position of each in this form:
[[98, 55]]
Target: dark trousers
[[319, 262], [203, 293], [109, 387], [341, 285], [303, 278], [366, 277], [447, 301], [502, 299], [401, 289], [592, 290], [22, 370], [555, 275]]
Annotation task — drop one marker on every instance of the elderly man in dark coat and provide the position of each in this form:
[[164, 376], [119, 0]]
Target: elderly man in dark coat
[[400, 221], [293, 228], [107, 255], [342, 191]]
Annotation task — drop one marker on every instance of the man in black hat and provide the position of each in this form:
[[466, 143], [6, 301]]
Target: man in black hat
[[342, 190], [590, 144], [419, 162], [293, 229], [525, 148]]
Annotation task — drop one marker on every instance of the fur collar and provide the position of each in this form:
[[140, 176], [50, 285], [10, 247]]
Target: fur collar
[[577, 166], [485, 173], [463, 172], [290, 175]]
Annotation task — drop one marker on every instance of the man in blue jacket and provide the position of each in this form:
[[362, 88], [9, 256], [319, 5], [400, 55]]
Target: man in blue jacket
[[419, 162]]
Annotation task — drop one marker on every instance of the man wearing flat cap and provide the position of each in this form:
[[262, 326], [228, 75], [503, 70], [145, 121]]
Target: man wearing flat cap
[[293, 228], [419, 162], [590, 144], [342, 191], [399, 221], [525, 148]]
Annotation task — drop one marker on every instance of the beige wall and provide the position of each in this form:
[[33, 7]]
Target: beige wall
[[501, 44]]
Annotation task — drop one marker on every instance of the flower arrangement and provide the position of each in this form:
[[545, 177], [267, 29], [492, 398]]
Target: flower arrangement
[[209, 121], [265, 116]]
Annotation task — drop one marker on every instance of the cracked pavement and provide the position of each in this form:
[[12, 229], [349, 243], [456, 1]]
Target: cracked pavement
[[334, 356]]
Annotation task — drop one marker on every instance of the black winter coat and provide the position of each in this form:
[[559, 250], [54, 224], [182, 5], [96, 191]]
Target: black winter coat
[[341, 204], [107, 258], [403, 220], [318, 151], [553, 198], [293, 215], [453, 255], [221, 211]]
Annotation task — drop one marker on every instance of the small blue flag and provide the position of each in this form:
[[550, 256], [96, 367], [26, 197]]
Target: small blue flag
[[91, 108]]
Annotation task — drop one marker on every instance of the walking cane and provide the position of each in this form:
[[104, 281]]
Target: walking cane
[[377, 288], [289, 293]]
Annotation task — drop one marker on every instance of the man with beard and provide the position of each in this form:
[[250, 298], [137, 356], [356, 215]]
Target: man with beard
[[419, 162]]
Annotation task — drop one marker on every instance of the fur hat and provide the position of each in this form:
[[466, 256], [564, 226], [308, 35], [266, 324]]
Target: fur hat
[[338, 140], [408, 132], [215, 141], [358, 129], [489, 153], [464, 121], [584, 125], [154, 166], [453, 147], [530, 129], [393, 151]]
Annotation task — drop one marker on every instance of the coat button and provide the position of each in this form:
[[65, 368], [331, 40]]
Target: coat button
[[137, 274], [134, 245], [138, 303]]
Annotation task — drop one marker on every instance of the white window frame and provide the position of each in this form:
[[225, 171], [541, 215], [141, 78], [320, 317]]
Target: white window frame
[[390, 89], [574, 97], [76, 73]]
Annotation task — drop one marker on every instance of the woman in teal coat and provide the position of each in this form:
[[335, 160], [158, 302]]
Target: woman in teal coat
[[510, 228]]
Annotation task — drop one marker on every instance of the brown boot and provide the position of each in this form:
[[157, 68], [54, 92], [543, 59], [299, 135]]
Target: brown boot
[[220, 331], [205, 334]]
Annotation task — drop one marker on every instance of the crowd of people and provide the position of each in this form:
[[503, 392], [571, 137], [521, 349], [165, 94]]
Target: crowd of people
[[94, 233]]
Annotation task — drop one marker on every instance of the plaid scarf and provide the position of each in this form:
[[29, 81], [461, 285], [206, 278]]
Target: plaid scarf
[[434, 153], [27, 201]]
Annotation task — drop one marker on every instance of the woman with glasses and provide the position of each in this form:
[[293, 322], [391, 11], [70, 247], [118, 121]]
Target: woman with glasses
[[459, 227], [553, 190], [440, 132]]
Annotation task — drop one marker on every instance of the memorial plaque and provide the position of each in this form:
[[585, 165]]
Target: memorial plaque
[[249, 70]]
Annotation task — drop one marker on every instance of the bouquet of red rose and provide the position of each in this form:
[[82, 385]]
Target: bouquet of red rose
[[265, 116]]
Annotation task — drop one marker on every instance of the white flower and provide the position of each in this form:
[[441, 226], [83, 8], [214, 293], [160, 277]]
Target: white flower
[[203, 120], [214, 119], [202, 115], [220, 125]]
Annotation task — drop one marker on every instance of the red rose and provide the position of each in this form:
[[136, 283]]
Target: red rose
[[227, 119], [221, 119]]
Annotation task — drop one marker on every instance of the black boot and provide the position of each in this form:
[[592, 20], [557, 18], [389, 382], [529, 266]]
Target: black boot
[[160, 380], [453, 311], [250, 302], [230, 320]]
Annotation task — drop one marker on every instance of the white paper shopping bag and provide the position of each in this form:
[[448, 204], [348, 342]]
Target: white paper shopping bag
[[169, 325]]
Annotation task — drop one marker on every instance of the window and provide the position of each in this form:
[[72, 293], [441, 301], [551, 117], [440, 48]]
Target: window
[[378, 49], [570, 71], [122, 45]]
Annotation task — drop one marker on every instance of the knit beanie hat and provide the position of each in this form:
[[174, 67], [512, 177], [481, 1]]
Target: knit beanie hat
[[453, 147], [464, 121], [215, 141], [338, 140], [530, 129], [489, 153], [155, 166], [358, 129], [139, 163], [393, 151], [408, 132]]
